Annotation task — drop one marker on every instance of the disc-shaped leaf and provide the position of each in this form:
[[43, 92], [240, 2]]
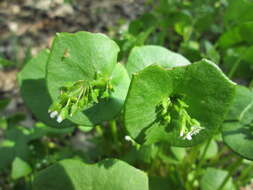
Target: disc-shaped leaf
[[237, 131], [207, 91], [213, 178], [141, 57], [34, 91], [81, 56], [242, 106], [239, 34], [20, 168], [74, 175], [40, 129], [239, 138], [235, 12], [14, 145]]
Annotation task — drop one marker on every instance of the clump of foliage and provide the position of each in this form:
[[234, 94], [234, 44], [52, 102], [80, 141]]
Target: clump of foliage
[[156, 119]]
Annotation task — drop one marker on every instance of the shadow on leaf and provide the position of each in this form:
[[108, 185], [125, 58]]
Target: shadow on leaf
[[36, 97]]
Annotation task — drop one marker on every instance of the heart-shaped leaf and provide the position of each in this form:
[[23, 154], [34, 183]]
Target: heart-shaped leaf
[[237, 131], [74, 175], [82, 57], [206, 95]]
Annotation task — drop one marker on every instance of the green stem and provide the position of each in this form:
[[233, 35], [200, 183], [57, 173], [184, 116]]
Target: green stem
[[80, 95], [113, 127], [28, 181], [202, 158], [244, 173], [251, 84], [234, 68], [217, 157], [99, 130], [230, 172]]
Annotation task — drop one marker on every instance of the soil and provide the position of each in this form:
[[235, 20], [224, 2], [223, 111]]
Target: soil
[[31, 24]]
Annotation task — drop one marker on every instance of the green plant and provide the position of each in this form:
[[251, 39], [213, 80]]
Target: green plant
[[160, 113], [132, 114], [217, 30]]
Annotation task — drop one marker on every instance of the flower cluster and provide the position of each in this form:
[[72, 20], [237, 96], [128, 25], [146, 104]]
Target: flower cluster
[[174, 108], [75, 96]]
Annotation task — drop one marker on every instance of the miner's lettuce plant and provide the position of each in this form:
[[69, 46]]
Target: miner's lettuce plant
[[217, 30], [157, 102], [189, 27]]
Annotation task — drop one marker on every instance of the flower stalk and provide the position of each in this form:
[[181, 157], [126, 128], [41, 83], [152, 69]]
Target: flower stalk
[[174, 108], [75, 96]]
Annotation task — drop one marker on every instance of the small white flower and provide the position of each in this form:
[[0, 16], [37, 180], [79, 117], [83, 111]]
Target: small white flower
[[188, 136], [53, 114], [128, 138], [194, 130], [181, 133], [59, 119]]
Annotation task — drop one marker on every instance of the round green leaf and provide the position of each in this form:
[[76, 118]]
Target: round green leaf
[[242, 106], [237, 131], [34, 91], [40, 129], [235, 12], [146, 154], [208, 93], [239, 137], [230, 38], [74, 175], [178, 153], [141, 57], [20, 168], [14, 145], [81, 56], [213, 178], [238, 34]]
